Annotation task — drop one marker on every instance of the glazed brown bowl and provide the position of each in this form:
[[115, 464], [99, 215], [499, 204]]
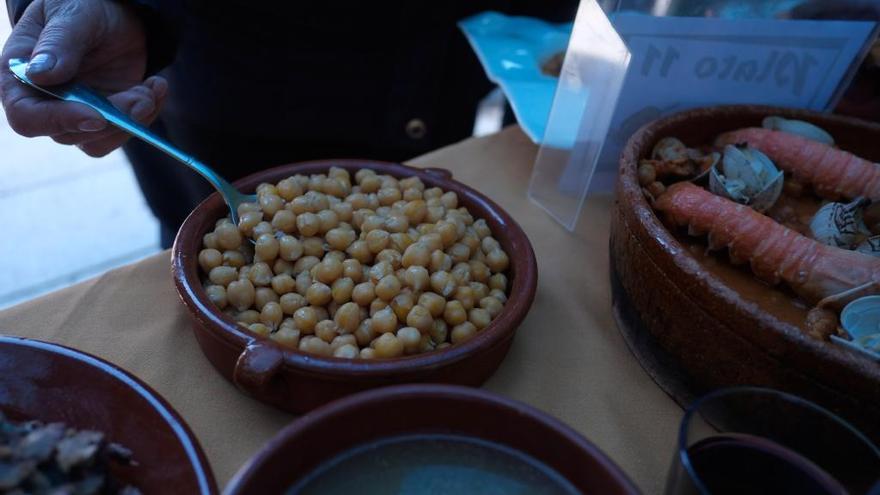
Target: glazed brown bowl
[[49, 382], [296, 381], [405, 409], [693, 330]]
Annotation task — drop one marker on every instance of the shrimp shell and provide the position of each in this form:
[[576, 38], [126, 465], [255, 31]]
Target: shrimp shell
[[776, 253], [832, 172]]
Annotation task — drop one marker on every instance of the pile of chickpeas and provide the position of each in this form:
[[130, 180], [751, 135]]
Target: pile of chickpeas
[[376, 268]]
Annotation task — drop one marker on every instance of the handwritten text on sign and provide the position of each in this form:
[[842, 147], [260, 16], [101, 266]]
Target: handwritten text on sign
[[680, 63]]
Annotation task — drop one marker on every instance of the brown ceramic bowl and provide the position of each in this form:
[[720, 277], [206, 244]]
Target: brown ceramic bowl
[[49, 382], [296, 381], [696, 332], [405, 409]]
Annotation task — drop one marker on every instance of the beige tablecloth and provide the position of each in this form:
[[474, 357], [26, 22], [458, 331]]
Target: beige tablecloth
[[568, 357]]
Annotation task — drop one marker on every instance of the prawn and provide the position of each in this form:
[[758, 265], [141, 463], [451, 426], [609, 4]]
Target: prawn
[[820, 274], [832, 172]]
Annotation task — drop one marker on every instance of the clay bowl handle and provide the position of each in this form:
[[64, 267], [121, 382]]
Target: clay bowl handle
[[441, 173], [255, 368]]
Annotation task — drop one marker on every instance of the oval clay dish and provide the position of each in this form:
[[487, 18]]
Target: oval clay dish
[[405, 409], [694, 330], [297, 381], [50, 383]]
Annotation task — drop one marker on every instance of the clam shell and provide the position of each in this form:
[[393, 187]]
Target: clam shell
[[747, 176], [870, 246], [798, 127], [840, 224], [861, 320]]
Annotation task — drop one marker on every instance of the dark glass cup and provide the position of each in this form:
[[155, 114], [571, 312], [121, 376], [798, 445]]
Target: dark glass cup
[[750, 440]]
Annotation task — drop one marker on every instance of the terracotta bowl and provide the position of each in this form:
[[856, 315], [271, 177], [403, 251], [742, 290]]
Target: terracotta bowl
[[50, 382], [404, 409], [688, 326], [296, 381]]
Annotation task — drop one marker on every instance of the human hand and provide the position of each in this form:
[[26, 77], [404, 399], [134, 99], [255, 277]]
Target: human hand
[[99, 43]]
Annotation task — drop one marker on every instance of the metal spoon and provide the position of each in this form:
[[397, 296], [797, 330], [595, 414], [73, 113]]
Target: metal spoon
[[81, 94]]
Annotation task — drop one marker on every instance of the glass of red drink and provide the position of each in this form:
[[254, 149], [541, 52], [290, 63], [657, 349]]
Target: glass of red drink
[[750, 440]]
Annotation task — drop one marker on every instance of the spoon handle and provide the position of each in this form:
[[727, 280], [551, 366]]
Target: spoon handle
[[79, 93]]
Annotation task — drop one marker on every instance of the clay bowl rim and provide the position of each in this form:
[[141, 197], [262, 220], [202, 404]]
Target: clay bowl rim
[[182, 432], [647, 135], [521, 293], [457, 395]]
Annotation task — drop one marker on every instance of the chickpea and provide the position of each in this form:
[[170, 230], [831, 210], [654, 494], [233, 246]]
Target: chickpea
[[314, 345], [364, 333], [260, 229], [370, 184], [363, 293], [217, 295], [480, 290], [391, 256], [480, 272], [497, 260], [291, 302], [397, 223], [400, 241], [462, 332], [348, 317], [415, 211], [388, 195], [388, 287], [497, 294], [266, 248], [412, 194], [482, 228], [352, 269], [290, 248], [303, 282], [387, 346], [284, 220], [340, 239], [319, 294], [306, 318], [439, 331], [461, 273], [434, 303], [434, 192], [223, 275], [260, 274], [209, 241], [264, 295], [417, 254], [449, 200], [336, 188], [377, 240], [313, 246], [359, 251], [326, 330], [440, 261], [346, 351], [328, 270], [402, 304], [234, 258], [286, 336], [305, 263], [342, 289], [328, 219], [465, 295], [498, 281], [343, 210], [228, 236], [281, 267], [308, 224], [289, 189], [209, 259], [454, 313], [443, 283], [384, 321], [417, 278], [380, 270], [448, 232], [259, 329], [271, 314], [480, 318], [492, 305], [240, 294], [248, 221], [282, 284], [419, 317], [410, 338], [248, 316]]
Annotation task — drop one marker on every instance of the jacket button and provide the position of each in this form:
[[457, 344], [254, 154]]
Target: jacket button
[[416, 129]]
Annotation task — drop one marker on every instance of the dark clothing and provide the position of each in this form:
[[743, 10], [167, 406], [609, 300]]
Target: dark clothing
[[257, 84]]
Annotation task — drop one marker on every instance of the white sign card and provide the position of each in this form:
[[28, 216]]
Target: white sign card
[[681, 62]]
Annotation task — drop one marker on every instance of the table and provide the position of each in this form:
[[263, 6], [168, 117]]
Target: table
[[568, 358]]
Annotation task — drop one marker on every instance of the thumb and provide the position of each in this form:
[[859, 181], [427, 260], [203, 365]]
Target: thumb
[[58, 53]]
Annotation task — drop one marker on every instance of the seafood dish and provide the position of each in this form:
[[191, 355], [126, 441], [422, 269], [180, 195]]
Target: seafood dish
[[745, 249]]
